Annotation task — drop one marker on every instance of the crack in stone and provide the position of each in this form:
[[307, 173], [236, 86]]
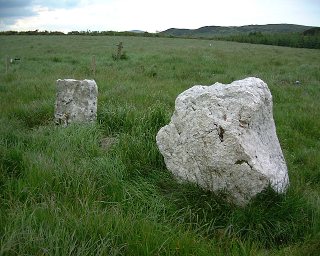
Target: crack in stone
[[243, 124], [69, 101], [221, 133], [244, 161]]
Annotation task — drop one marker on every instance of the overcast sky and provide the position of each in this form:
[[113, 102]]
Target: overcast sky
[[152, 15]]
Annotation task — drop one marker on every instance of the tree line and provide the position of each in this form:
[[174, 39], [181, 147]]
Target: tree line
[[297, 40], [307, 39], [33, 32], [81, 33]]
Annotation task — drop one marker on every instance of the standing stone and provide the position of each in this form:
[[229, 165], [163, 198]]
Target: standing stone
[[223, 138], [76, 101]]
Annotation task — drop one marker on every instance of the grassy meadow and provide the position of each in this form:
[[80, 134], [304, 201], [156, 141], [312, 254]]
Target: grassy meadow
[[103, 189]]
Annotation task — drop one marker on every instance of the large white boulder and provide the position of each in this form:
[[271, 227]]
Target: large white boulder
[[76, 101], [223, 138]]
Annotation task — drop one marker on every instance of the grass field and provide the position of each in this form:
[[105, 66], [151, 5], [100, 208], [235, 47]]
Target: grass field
[[103, 189]]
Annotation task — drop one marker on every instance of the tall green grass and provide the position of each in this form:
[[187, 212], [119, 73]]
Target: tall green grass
[[64, 192]]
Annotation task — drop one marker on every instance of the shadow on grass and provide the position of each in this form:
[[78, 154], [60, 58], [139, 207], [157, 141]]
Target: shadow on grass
[[270, 219]]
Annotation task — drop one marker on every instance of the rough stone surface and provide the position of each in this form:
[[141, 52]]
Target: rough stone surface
[[76, 101], [223, 138]]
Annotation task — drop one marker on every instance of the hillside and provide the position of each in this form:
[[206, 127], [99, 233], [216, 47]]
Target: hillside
[[210, 31]]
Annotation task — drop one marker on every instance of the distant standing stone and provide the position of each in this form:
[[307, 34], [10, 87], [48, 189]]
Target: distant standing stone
[[223, 138], [76, 101]]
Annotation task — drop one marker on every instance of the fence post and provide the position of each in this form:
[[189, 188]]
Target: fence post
[[7, 64], [93, 65], [119, 53]]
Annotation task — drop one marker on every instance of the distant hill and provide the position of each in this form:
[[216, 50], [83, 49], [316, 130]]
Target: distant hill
[[211, 31], [136, 31]]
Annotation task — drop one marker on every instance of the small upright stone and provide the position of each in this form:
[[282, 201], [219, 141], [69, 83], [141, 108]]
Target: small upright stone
[[76, 101], [223, 138]]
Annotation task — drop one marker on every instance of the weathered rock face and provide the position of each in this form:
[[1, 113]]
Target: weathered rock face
[[76, 101], [223, 138]]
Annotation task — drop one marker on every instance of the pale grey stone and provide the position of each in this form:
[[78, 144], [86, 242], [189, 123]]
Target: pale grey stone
[[76, 101], [223, 138]]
